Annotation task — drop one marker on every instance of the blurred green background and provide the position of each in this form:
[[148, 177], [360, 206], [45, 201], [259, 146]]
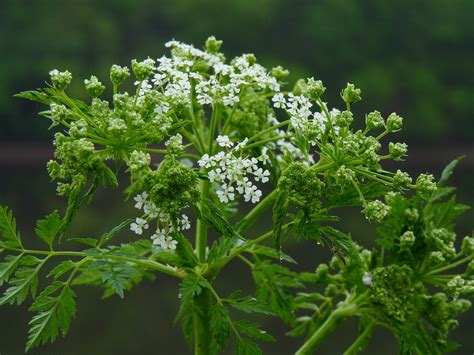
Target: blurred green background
[[413, 57]]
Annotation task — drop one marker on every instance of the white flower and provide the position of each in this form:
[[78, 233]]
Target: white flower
[[164, 242], [185, 223], [261, 175], [224, 141], [171, 243], [206, 161], [367, 279], [252, 194], [139, 225], [226, 194], [140, 200], [151, 209], [279, 101]]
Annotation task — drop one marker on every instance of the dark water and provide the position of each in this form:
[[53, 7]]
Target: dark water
[[141, 323]]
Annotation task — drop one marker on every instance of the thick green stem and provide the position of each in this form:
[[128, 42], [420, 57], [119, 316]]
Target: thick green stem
[[201, 227], [257, 211], [359, 344], [325, 329], [202, 331]]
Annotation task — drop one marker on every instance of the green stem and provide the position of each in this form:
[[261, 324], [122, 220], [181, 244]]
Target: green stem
[[326, 328], [450, 266], [257, 211], [265, 131], [201, 325], [359, 344], [201, 227]]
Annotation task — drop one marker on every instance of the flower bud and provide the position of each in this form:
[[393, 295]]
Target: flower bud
[[425, 184], [313, 89], [467, 247], [143, 69], [376, 211], [60, 80], [374, 120], [401, 179], [279, 73], [351, 94], [367, 279], [94, 87], [213, 45], [394, 122], [118, 74], [407, 239], [397, 150]]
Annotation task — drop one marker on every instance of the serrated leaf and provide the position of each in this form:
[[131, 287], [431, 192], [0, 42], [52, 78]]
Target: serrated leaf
[[8, 228], [245, 347], [448, 170], [8, 267], [272, 253], [252, 330], [87, 241], [190, 287], [216, 220], [220, 328], [279, 213], [24, 282], [248, 304], [47, 229], [34, 95], [60, 269], [55, 314], [116, 230]]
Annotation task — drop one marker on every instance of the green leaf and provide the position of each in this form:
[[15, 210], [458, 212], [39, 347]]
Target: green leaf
[[8, 229], [448, 170], [248, 304], [25, 281], [220, 328], [190, 287], [118, 276], [216, 220], [245, 347], [34, 95], [279, 213], [116, 230], [87, 241], [8, 267], [252, 330], [47, 229], [272, 253], [55, 313], [60, 269]]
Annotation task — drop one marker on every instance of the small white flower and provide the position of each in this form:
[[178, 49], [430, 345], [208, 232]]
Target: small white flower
[[140, 200], [185, 223], [279, 101], [226, 194], [206, 161], [171, 243], [367, 279], [261, 175], [224, 141], [139, 225]]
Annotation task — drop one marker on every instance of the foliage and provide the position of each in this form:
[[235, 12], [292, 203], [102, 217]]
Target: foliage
[[217, 129]]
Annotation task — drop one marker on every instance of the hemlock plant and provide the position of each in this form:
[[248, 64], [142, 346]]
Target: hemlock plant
[[225, 134]]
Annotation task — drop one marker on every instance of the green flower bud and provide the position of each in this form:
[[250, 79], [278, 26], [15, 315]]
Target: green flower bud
[[139, 161], [143, 69], [331, 290], [394, 122], [94, 87], [279, 73], [425, 184], [302, 185], [458, 286], [376, 211], [175, 144], [407, 239], [467, 247], [397, 150], [435, 258], [58, 113], [374, 120], [313, 89], [411, 214], [391, 197], [401, 179], [213, 45], [351, 94], [118, 74], [322, 272], [60, 80], [344, 175], [344, 119]]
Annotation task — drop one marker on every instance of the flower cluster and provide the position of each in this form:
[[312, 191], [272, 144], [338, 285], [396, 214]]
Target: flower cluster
[[166, 225], [233, 172]]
